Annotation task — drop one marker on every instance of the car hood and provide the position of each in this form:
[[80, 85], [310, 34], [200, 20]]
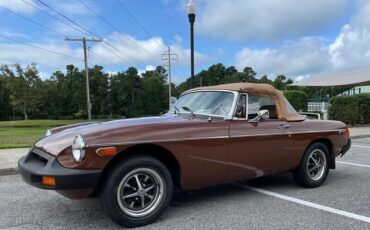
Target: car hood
[[105, 132]]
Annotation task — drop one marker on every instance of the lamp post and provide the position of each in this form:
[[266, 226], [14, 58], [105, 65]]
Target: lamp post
[[191, 15]]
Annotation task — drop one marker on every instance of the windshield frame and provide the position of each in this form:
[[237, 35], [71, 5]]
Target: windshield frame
[[231, 112]]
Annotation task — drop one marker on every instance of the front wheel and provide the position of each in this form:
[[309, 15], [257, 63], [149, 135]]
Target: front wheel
[[137, 191], [314, 168]]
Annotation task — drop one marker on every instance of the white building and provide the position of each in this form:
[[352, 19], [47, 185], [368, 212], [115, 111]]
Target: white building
[[357, 90]]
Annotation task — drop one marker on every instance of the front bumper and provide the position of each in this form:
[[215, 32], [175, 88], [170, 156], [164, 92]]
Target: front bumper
[[38, 164]]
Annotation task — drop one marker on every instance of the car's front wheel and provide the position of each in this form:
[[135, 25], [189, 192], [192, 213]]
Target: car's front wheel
[[314, 168], [137, 191]]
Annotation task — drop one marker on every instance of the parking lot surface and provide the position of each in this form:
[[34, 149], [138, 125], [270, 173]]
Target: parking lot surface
[[274, 202]]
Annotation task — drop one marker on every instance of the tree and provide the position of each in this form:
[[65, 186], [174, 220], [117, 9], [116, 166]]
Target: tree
[[154, 96], [5, 106], [99, 90], [23, 87], [249, 75]]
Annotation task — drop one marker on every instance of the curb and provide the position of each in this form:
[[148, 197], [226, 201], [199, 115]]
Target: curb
[[360, 136], [8, 171]]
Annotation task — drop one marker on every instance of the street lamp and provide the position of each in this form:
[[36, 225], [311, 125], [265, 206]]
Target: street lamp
[[191, 15]]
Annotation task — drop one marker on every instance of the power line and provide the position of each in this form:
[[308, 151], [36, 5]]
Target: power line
[[29, 19], [138, 22], [82, 28], [56, 18], [105, 44], [37, 47], [85, 31], [115, 28], [70, 20]]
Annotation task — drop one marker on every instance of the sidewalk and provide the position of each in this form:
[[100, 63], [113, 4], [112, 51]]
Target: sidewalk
[[359, 132], [9, 157], [9, 160]]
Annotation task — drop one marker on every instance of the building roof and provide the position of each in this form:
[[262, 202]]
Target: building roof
[[337, 79]]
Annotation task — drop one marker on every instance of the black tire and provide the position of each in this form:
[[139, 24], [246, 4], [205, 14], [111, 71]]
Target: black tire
[[304, 175], [122, 179]]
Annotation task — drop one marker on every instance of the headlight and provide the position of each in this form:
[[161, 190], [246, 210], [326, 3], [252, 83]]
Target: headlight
[[48, 133], [78, 148]]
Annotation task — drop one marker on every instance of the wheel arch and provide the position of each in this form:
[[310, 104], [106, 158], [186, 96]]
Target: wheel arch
[[329, 145], [156, 151]]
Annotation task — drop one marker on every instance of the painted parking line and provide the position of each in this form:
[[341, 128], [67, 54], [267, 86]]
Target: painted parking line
[[361, 146], [348, 163], [309, 204]]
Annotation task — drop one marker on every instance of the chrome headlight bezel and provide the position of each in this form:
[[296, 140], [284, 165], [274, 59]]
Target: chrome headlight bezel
[[78, 148]]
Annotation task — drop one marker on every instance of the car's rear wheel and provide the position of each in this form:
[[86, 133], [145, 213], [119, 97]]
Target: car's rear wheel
[[137, 191], [314, 168]]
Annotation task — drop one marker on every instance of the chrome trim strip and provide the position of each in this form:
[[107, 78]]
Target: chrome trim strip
[[285, 133], [204, 138], [158, 141]]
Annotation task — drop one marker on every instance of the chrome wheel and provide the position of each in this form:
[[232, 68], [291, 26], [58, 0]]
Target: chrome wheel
[[316, 164], [140, 192]]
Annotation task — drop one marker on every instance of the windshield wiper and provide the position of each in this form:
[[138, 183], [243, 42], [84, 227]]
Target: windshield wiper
[[188, 110], [176, 109]]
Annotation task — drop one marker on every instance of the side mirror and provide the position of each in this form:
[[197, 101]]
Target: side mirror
[[262, 114], [265, 114]]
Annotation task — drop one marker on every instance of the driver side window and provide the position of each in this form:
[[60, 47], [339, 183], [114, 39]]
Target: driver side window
[[257, 103]]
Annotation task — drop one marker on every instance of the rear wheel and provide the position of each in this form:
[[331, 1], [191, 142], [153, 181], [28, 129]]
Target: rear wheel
[[314, 168], [137, 191]]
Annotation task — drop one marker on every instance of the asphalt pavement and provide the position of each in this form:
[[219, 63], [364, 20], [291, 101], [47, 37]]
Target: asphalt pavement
[[273, 202]]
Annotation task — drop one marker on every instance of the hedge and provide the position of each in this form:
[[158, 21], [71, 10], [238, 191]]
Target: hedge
[[351, 109], [297, 98], [363, 108]]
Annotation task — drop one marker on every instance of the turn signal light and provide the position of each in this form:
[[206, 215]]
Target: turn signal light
[[48, 180], [106, 151], [347, 133]]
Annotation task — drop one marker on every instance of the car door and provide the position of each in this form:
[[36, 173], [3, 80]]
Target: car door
[[257, 148]]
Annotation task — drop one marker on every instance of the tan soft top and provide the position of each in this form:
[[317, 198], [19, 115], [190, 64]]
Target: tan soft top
[[257, 89], [241, 87]]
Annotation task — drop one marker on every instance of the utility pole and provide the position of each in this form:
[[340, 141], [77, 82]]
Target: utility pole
[[168, 57], [84, 40]]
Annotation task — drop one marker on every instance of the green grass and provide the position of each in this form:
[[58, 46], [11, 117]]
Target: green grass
[[22, 134], [37, 123]]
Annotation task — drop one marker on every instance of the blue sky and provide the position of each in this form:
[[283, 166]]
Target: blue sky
[[295, 38]]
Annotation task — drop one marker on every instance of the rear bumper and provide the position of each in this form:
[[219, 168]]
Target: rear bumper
[[346, 147], [37, 164]]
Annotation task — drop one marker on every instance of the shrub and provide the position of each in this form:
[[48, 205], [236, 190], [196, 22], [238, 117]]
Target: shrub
[[297, 98], [363, 108], [344, 108]]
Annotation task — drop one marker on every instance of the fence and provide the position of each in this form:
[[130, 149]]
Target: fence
[[319, 106]]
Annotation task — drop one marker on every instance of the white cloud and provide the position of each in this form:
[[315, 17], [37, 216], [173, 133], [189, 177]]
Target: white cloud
[[349, 51], [127, 52], [18, 6], [12, 34], [23, 54], [266, 20], [308, 55]]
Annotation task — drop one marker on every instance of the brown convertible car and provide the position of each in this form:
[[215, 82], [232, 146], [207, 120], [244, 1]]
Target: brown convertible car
[[211, 135]]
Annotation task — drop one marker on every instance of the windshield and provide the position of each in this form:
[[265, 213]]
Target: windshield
[[206, 103]]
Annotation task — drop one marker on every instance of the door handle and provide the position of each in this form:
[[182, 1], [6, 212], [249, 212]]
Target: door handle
[[284, 126]]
